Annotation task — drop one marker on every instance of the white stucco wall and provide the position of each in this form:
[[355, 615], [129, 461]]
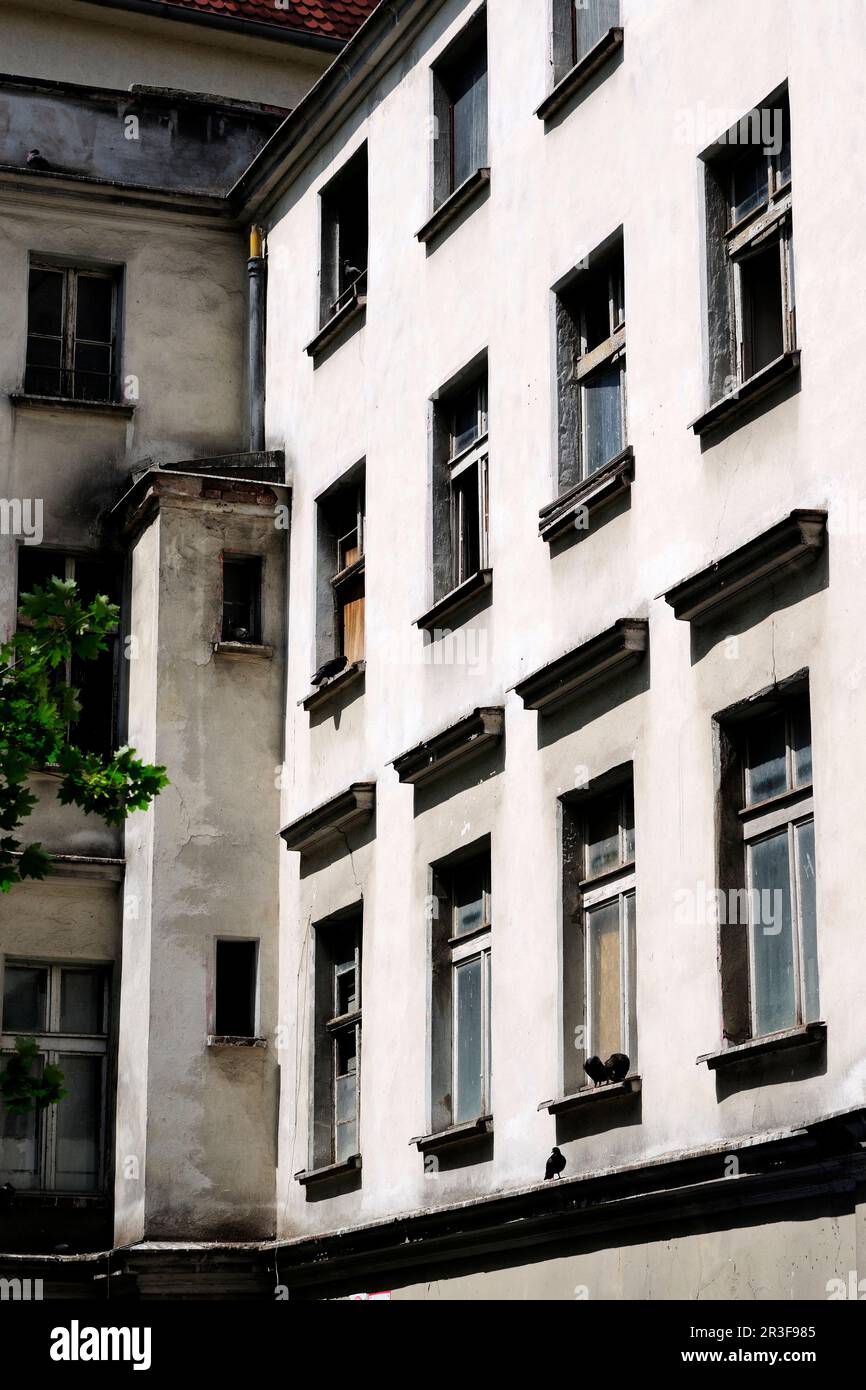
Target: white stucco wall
[[618, 157]]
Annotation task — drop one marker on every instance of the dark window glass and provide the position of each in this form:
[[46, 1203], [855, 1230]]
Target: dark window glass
[[25, 999], [241, 599], [592, 20], [749, 183], [763, 331], [236, 963], [468, 92]]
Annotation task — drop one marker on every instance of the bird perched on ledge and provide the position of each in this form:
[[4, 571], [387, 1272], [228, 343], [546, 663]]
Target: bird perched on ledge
[[36, 161], [328, 670], [555, 1164], [602, 1073]]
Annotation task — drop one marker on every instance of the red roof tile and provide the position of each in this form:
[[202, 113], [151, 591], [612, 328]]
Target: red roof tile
[[334, 19]]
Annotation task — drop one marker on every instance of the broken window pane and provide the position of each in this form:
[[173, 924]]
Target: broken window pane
[[236, 980]]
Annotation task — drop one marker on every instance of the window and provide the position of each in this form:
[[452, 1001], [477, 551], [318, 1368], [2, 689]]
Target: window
[[460, 499], [72, 332], [95, 729], [337, 1059], [460, 109], [341, 608], [462, 991], [591, 366], [599, 946], [591, 21], [242, 598], [65, 1008], [236, 994], [770, 824], [344, 238], [750, 247]]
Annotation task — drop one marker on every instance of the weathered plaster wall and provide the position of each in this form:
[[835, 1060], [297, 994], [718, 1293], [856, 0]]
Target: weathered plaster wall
[[625, 154], [210, 1117], [75, 42]]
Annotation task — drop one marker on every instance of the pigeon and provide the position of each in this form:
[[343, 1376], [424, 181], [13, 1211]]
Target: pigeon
[[595, 1070], [351, 272], [555, 1164], [329, 669], [617, 1066], [36, 161]]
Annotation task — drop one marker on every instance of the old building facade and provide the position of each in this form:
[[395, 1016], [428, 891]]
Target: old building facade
[[490, 611]]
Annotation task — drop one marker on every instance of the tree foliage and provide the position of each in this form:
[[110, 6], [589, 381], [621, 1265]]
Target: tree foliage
[[37, 706]]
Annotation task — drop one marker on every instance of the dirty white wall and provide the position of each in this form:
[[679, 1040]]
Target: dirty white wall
[[626, 154]]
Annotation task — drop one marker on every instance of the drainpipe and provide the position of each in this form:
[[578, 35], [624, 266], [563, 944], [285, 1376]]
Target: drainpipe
[[256, 272]]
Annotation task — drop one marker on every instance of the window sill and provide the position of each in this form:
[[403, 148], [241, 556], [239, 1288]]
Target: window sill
[[811, 1035], [353, 313], [240, 651], [587, 496], [469, 192], [121, 410], [456, 1134], [579, 75], [606, 655], [477, 732], [608, 1090], [227, 1040], [454, 601], [339, 683], [69, 1200], [731, 407], [309, 1177]]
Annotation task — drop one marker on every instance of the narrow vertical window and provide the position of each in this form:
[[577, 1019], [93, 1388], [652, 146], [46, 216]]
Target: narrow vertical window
[[608, 894], [592, 21], [466, 414], [236, 992], [462, 1051], [336, 1081], [600, 364], [341, 591], [242, 598], [345, 238], [460, 103]]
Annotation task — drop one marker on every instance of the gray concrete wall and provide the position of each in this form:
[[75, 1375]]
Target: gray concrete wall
[[625, 154]]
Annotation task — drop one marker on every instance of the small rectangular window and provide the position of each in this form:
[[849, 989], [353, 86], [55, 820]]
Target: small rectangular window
[[72, 332], [460, 104], [237, 965], [242, 598], [345, 237]]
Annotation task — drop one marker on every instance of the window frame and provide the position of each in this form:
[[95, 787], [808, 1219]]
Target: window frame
[[348, 583], [612, 885], [474, 456], [761, 821], [447, 71], [255, 566], [592, 363], [53, 1047], [72, 272], [338, 1026], [338, 293], [573, 8], [256, 943], [463, 950]]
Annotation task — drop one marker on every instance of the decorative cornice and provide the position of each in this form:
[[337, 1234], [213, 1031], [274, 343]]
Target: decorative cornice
[[332, 820], [470, 736], [610, 653]]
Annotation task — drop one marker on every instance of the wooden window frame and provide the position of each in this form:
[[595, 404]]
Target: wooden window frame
[[591, 363], [616, 884], [71, 276], [339, 1026], [472, 946], [350, 577], [474, 456]]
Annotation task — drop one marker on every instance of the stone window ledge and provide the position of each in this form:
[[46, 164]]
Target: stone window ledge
[[731, 407], [609, 1090], [579, 75], [354, 312], [600, 658], [243, 651], [469, 192], [122, 410], [455, 601], [590, 494], [310, 1177], [321, 695], [811, 1035], [227, 1040], [478, 731], [455, 1134]]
